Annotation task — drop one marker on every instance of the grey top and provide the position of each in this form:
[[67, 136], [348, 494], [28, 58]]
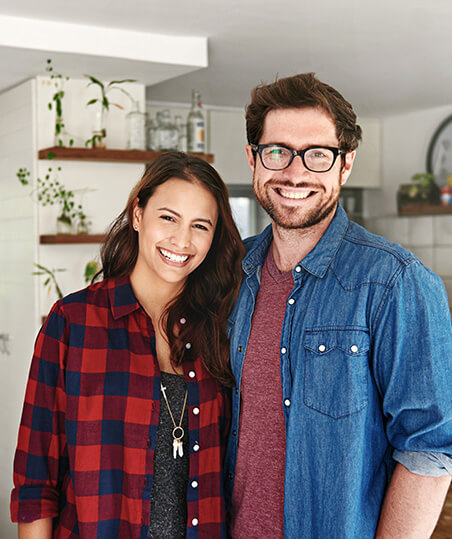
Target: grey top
[[169, 488]]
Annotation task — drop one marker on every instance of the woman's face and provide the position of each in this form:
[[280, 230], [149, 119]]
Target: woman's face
[[175, 230]]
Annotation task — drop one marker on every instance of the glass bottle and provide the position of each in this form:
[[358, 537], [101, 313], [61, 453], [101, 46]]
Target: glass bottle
[[195, 125]]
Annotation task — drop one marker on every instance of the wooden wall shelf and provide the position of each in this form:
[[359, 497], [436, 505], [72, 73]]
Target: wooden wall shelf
[[425, 209], [105, 154], [60, 239]]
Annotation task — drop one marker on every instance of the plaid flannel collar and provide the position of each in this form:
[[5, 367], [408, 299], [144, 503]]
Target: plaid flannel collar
[[122, 297]]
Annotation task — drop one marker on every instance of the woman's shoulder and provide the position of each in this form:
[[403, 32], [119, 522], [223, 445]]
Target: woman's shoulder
[[92, 297]]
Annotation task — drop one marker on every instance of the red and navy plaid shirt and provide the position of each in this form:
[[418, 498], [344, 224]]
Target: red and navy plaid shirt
[[88, 431]]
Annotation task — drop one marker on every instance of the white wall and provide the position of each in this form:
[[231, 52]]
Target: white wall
[[17, 291]]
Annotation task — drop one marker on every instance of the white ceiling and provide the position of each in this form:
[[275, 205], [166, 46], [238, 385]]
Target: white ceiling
[[385, 56]]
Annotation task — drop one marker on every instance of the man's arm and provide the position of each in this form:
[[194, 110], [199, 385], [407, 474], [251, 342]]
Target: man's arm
[[412, 505], [39, 529]]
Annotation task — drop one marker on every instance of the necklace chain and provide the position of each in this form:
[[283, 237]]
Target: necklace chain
[[177, 440]]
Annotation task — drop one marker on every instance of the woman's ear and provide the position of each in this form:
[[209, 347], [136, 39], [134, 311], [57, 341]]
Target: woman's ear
[[137, 214]]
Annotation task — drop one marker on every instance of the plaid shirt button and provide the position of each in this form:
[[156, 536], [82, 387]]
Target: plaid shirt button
[[196, 411], [196, 447], [194, 484], [192, 374], [195, 522]]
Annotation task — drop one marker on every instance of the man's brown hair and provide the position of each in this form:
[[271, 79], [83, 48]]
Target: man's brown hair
[[301, 91]]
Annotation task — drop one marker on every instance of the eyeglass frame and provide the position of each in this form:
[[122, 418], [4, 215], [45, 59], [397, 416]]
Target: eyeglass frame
[[259, 148]]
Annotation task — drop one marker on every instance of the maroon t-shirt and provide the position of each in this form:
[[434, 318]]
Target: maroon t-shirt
[[258, 495]]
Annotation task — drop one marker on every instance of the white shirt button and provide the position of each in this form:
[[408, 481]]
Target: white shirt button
[[287, 402], [298, 269], [196, 411], [195, 522], [188, 346], [196, 447], [192, 374], [194, 484], [354, 348], [322, 348], [182, 320], [291, 301], [283, 350]]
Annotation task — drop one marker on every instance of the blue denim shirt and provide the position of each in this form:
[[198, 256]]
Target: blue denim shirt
[[366, 374]]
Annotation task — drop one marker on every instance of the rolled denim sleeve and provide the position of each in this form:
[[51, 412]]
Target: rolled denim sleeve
[[412, 365], [424, 463]]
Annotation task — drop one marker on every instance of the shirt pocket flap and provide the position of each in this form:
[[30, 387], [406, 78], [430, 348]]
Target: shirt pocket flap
[[352, 342]]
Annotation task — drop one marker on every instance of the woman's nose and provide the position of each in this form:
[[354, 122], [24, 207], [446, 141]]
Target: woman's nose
[[182, 237]]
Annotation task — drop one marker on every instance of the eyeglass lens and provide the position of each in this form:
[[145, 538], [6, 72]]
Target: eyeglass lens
[[315, 159]]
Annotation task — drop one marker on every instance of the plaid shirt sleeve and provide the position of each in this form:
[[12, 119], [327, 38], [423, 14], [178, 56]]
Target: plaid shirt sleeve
[[41, 460]]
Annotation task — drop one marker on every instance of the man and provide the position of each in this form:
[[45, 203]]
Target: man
[[340, 344]]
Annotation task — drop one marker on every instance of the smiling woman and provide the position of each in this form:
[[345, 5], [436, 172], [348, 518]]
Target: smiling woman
[[99, 452]]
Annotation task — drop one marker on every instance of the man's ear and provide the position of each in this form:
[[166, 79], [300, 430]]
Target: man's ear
[[250, 156], [347, 167]]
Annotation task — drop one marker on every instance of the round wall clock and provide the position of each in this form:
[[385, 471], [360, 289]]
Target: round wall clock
[[439, 154]]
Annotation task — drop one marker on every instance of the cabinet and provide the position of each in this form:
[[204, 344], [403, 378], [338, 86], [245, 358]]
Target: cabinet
[[366, 170], [227, 140]]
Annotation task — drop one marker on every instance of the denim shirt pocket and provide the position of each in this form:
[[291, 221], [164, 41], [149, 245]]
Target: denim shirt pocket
[[336, 370]]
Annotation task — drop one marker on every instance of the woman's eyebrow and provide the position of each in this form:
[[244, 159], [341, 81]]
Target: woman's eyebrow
[[179, 215]]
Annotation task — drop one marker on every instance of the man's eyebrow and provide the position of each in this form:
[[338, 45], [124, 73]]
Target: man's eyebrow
[[203, 220]]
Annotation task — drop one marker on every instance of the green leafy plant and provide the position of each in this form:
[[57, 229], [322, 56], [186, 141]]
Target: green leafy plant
[[90, 273], [97, 140], [50, 191], [50, 281], [91, 270], [423, 183], [57, 102]]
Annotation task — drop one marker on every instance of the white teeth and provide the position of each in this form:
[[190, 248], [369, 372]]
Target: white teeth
[[291, 194], [174, 258]]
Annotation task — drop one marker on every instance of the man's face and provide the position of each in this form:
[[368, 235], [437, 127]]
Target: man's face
[[296, 197]]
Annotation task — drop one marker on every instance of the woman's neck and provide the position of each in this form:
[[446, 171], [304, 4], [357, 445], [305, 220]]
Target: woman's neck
[[154, 297]]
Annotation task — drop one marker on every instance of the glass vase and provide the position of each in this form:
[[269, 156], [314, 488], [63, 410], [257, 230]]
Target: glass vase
[[136, 130], [64, 225]]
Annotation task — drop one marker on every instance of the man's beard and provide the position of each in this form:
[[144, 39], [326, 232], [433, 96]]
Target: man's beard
[[282, 217]]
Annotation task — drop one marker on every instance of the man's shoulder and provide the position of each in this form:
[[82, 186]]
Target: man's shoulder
[[367, 257]]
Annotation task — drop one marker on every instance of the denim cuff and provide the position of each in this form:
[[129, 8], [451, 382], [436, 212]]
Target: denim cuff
[[424, 463]]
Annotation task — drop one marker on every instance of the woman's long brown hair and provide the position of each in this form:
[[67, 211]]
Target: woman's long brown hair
[[211, 289]]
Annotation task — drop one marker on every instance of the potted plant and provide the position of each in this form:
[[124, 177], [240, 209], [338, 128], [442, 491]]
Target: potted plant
[[99, 131], [424, 190]]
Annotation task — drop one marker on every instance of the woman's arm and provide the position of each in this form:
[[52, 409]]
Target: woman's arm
[[39, 529]]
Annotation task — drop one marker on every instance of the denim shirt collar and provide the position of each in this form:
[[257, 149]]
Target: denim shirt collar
[[316, 262]]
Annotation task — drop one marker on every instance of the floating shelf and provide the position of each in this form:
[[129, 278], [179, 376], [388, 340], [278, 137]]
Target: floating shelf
[[425, 209], [105, 154], [59, 239]]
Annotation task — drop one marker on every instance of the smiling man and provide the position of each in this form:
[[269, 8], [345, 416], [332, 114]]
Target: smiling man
[[341, 346]]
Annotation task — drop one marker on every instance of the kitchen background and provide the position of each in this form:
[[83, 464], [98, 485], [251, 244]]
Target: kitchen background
[[401, 97]]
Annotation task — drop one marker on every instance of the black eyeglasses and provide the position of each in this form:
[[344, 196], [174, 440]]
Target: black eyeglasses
[[314, 158]]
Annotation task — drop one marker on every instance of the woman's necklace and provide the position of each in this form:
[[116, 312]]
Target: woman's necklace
[[178, 431]]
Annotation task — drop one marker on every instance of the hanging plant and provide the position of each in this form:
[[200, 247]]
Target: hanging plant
[[56, 103], [50, 191]]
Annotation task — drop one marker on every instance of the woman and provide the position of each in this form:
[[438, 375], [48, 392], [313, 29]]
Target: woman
[[125, 410]]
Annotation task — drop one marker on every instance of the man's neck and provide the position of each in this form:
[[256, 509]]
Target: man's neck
[[290, 246]]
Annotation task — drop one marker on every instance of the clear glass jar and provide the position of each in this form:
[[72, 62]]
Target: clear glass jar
[[153, 135], [168, 132], [181, 134], [136, 130]]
